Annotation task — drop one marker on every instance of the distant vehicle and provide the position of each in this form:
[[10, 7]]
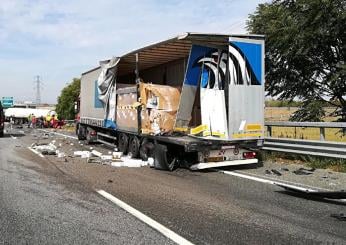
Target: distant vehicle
[[21, 115], [2, 121]]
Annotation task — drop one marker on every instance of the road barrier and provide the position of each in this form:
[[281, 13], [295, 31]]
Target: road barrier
[[309, 147]]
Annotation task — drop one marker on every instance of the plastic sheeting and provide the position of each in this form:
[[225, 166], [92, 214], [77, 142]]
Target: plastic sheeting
[[106, 83]]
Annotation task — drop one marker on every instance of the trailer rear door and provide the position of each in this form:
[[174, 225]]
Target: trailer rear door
[[246, 88]]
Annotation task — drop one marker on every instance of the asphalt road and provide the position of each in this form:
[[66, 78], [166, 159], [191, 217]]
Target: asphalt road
[[40, 205], [50, 201]]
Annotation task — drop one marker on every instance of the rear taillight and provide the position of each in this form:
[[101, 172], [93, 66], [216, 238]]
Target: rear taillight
[[249, 155], [93, 133]]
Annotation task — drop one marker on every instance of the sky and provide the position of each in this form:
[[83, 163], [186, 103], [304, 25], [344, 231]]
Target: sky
[[60, 39]]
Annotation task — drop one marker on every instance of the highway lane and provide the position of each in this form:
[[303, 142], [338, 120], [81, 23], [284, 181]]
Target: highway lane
[[40, 205], [204, 207]]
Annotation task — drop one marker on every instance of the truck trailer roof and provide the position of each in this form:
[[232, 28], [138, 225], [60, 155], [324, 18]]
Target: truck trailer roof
[[171, 49]]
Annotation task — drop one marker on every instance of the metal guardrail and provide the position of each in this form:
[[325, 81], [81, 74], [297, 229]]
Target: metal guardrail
[[309, 147]]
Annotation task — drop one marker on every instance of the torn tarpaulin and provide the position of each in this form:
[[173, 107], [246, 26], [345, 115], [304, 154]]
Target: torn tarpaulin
[[321, 194]]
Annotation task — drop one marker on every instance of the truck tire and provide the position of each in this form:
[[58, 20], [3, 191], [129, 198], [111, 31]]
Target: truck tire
[[134, 147], [146, 150], [123, 143], [1, 133], [163, 158]]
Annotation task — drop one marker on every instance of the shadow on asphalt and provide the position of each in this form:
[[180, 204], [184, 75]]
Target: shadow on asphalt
[[6, 135], [312, 198], [243, 167]]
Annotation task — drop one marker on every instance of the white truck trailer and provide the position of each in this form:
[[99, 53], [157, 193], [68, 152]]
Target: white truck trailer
[[195, 100]]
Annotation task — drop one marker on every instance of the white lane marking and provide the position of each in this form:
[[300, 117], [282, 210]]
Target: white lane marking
[[285, 182], [249, 177], [36, 152], [272, 182], [149, 221], [65, 135]]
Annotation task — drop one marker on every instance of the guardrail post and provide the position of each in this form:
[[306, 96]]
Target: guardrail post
[[269, 131], [322, 134]]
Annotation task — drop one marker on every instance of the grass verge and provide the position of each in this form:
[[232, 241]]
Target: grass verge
[[334, 164]]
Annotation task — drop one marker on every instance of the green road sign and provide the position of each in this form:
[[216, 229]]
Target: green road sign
[[7, 102]]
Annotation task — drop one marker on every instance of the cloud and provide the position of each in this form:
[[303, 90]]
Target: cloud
[[61, 39]]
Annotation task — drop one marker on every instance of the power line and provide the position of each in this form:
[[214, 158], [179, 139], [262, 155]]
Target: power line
[[37, 83]]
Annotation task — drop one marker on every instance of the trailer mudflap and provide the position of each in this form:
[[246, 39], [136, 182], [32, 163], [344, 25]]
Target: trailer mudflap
[[205, 165]]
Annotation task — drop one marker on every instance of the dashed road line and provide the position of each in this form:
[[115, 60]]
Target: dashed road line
[[65, 135], [147, 220], [36, 152]]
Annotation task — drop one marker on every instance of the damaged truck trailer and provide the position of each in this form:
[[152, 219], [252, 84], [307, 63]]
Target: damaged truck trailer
[[196, 100]]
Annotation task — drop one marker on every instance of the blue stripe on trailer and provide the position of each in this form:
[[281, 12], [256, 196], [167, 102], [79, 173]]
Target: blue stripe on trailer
[[97, 102], [253, 54], [193, 69]]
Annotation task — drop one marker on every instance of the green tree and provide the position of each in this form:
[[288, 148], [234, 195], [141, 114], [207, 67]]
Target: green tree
[[305, 52], [69, 95]]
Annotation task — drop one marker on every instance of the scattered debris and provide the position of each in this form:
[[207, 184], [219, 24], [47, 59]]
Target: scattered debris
[[268, 172], [304, 171], [94, 160], [82, 154], [341, 217], [273, 171], [277, 173], [96, 153], [106, 157], [151, 162], [117, 155], [110, 181], [285, 169], [321, 194], [45, 149], [60, 154], [117, 164]]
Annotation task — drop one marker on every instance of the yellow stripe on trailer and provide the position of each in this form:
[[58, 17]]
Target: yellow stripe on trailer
[[218, 134], [206, 133], [253, 127], [199, 129], [181, 129]]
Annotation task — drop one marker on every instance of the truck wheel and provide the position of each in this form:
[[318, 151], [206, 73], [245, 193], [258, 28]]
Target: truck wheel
[[123, 143], [164, 159], [146, 150], [134, 147], [1, 133]]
